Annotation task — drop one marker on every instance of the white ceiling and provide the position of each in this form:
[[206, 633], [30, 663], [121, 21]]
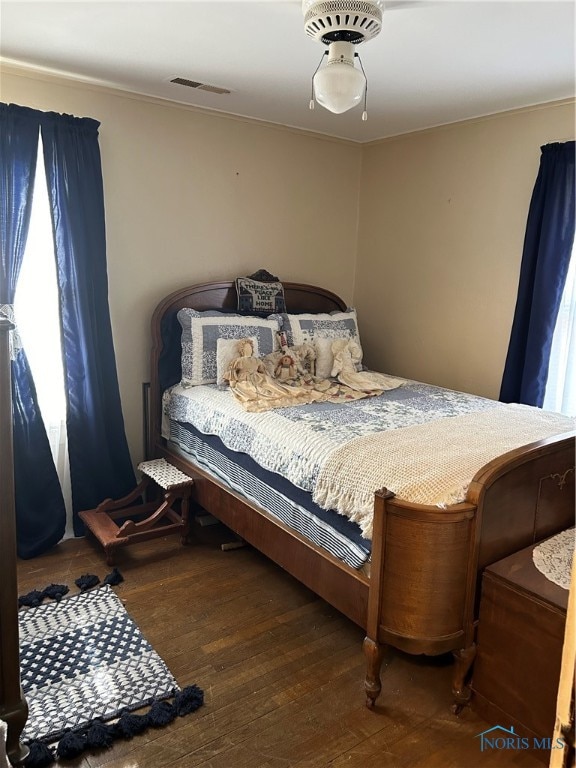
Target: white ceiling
[[435, 61]]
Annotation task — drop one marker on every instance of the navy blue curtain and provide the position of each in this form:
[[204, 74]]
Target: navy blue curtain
[[545, 259], [40, 510], [100, 465]]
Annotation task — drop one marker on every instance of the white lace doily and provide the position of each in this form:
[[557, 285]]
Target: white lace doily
[[554, 557]]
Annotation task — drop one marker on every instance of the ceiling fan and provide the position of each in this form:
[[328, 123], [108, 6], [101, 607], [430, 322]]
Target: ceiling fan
[[341, 25]]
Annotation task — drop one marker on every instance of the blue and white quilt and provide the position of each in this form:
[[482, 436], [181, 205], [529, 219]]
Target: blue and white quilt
[[422, 442]]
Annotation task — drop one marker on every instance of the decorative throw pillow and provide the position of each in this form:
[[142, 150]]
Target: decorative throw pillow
[[200, 334], [228, 350], [259, 298], [309, 327]]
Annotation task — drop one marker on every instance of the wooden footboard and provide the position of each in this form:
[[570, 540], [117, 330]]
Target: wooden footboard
[[427, 563]]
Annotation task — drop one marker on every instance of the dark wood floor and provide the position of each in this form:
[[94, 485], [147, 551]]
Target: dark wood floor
[[282, 671]]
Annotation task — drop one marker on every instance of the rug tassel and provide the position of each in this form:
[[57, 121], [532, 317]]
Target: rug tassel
[[99, 735], [56, 591], [40, 755], [113, 578], [161, 713], [188, 700], [87, 581], [31, 599], [71, 745], [129, 725]]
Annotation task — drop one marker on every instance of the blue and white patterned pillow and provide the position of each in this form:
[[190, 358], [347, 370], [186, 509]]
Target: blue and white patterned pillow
[[200, 334], [309, 328], [306, 327]]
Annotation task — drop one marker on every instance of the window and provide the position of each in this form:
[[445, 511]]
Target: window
[[37, 313], [561, 383]]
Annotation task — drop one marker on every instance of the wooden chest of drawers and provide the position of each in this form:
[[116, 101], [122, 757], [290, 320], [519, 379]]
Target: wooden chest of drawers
[[520, 638]]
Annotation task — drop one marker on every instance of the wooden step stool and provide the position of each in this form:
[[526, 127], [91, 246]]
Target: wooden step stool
[[160, 518]]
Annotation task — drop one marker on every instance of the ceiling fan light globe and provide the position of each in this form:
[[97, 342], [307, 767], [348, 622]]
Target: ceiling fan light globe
[[339, 87]]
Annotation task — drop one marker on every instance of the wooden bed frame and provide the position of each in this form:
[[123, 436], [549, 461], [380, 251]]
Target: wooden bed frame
[[422, 594]]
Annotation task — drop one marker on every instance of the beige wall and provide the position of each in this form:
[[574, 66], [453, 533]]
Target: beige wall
[[442, 221], [192, 197], [432, 270]]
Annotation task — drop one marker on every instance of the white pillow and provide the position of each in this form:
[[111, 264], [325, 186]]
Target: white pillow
[[228, 350]]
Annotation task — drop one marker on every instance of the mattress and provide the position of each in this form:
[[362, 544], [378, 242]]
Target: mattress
[[293, 506]]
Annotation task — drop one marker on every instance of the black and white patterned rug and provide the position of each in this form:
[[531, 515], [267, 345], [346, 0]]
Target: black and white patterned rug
[[84, 658]]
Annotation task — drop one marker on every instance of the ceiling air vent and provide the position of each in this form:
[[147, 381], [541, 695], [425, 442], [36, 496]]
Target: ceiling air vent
[[199, 86]]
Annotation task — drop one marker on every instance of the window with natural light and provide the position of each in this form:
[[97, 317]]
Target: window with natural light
[[37, 317], [561, 384]]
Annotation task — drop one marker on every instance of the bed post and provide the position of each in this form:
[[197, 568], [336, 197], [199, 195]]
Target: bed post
[[464, 656], [373, 651]]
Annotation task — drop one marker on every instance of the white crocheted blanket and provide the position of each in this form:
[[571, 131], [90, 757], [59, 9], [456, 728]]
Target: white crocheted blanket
[[431, 463]]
